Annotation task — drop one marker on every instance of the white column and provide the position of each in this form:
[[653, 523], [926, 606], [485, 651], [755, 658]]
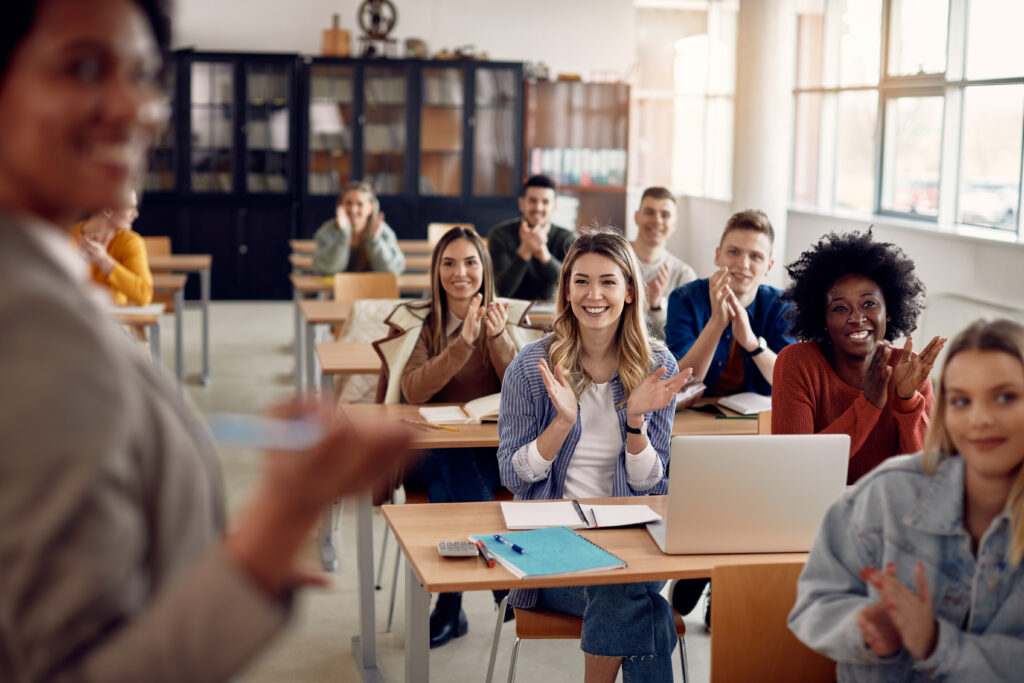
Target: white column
[[763, 138]]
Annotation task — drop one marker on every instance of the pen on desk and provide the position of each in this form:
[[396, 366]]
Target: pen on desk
[[416, 423], [484, 552], [423, 424], [735, 417], [510, 544]]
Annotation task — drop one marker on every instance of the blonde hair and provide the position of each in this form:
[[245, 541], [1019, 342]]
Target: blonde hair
[[438, 299], [1003, 336], [634, 348]]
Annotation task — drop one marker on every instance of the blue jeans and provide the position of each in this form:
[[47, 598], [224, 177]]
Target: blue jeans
[[628, 620], [456, 475]]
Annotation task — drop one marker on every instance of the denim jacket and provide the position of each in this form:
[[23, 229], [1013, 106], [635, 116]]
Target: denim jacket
[[898, 513], [526, 411]]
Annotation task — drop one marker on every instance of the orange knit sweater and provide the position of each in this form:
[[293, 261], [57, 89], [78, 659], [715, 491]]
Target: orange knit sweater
[[130, 281], [808, 397]]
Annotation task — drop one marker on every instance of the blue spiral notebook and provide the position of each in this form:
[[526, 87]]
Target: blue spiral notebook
[[549, 551]]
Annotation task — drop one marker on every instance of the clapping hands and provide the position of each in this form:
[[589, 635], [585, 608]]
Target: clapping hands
[[654, 393], [911, 371], [726, 309], [657, 285], [533, 241], [901, 617]]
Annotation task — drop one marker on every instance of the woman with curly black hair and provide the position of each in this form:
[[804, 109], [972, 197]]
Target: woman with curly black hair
[[852, 296]]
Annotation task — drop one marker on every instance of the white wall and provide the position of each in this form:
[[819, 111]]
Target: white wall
[[588, 37], [947, 264]]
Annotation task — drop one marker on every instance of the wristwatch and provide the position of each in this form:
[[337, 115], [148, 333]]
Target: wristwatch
[[642, 429], [762, 345]]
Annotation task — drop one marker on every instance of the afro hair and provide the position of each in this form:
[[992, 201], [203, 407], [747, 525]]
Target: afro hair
[[836, 255]]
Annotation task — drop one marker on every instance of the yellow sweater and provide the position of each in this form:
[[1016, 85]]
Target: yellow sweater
[[130, 281]]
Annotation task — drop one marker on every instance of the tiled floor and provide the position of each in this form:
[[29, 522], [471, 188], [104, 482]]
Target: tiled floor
[[252, 369]]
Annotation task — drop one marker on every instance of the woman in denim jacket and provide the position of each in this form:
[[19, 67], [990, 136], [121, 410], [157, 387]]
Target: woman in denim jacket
[[597, 422], [916, 573]]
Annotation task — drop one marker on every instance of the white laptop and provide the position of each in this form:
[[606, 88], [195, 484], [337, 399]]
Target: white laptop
[[757, 494]]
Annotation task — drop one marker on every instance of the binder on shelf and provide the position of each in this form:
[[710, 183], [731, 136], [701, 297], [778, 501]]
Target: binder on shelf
[[550, 551]]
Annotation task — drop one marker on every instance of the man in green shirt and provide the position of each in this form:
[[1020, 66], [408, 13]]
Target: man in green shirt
[[527, 251]]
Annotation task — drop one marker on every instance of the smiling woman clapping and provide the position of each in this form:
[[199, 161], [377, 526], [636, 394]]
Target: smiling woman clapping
[[853, 296]]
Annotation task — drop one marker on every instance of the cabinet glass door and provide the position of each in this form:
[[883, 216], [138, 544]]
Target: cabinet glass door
[[494, 135], [267, 126], [441, 132], [160, 173], [384, 128], [330, 128], [212, 119]]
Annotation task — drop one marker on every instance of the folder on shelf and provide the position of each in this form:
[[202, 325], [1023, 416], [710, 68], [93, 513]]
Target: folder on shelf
[[550, 551]]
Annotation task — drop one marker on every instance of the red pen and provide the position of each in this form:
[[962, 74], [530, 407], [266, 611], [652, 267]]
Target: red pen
[[485, 553]]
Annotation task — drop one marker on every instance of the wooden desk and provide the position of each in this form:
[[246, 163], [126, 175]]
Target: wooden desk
[[320, 312], [364, 646], [302, 246], [301, 262], [174, 284], [418, 528], [417, 263], [345, 358], [192, 263], [414, 246], [321, 286], [146, 317]]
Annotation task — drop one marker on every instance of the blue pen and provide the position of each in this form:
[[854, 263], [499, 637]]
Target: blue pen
[[502, 539]]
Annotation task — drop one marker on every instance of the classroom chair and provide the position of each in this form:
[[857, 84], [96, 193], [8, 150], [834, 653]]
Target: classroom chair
[[160, 245], [356, 286], [539, 624], [752, 641], [435, 231]]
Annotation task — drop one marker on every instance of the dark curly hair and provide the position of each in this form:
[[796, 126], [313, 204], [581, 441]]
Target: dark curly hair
[[836, 255]]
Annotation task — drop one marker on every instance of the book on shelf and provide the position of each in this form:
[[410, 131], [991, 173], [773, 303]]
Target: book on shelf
[[548, 552], [483, 409], [521, 514], [746, 403]]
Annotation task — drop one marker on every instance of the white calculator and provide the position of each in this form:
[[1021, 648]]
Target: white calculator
[[457, 549]]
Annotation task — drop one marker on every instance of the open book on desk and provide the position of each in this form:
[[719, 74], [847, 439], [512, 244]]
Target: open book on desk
[[554, 550], [483, 409], [747, 403], [573, 514]]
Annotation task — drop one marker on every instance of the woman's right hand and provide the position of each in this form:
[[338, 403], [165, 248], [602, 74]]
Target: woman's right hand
[[718, 290], [471, 324], [876, 379], [560, 393]]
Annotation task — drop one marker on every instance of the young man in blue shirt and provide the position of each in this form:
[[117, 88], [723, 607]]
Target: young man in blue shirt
[[729, 327]]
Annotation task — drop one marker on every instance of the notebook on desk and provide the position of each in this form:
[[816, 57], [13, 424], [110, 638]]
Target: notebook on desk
[[756, 494]]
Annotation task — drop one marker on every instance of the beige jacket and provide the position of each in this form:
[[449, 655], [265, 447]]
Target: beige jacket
[[110, 501]]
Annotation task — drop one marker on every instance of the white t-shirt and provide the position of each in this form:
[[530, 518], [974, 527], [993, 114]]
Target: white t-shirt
[[679, 274], [592, 468]]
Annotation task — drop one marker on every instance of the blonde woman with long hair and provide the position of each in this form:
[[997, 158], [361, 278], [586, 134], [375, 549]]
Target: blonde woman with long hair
[[587, 412], [916, 573]]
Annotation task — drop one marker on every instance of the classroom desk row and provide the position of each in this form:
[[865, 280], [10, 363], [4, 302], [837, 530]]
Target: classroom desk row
[[317, 312], [414, 263], [148, 318], [408, 247], [418, 528]]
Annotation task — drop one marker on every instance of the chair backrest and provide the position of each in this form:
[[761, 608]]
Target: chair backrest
[[158, 245], [435, 231], [764, 422], [355, 286], [752, 641]]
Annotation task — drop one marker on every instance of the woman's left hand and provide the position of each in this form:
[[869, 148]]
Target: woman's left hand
[[911, 613], [654, 393], [497, 318], [911, 371]]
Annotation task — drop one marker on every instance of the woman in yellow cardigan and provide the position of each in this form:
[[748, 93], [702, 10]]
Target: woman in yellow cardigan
[[117, 254]]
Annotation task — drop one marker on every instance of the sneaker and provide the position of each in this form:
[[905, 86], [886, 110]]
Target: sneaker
[[707, 610]]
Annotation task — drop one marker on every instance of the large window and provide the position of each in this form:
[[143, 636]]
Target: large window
[[681, 118], [911, 108]]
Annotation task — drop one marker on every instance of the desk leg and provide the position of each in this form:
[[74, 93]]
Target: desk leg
[[179, 336], [328, 555], [311, 360], [364, 646], [417, 628], [154, 342], [204, 296], [297, 344], [327, 388]]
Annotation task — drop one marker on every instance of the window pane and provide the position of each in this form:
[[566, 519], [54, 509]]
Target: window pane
[[860, 42], [494, 148], [384, 130], [330, 128], [655, 33], [855, 145], [807, 149], [688, 150], [718, 182], [990, 161], [655, 132], [441, 132], [994, 45], [212, 123], [810, 32], [917, 39], [266, 125], [913, 145]]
